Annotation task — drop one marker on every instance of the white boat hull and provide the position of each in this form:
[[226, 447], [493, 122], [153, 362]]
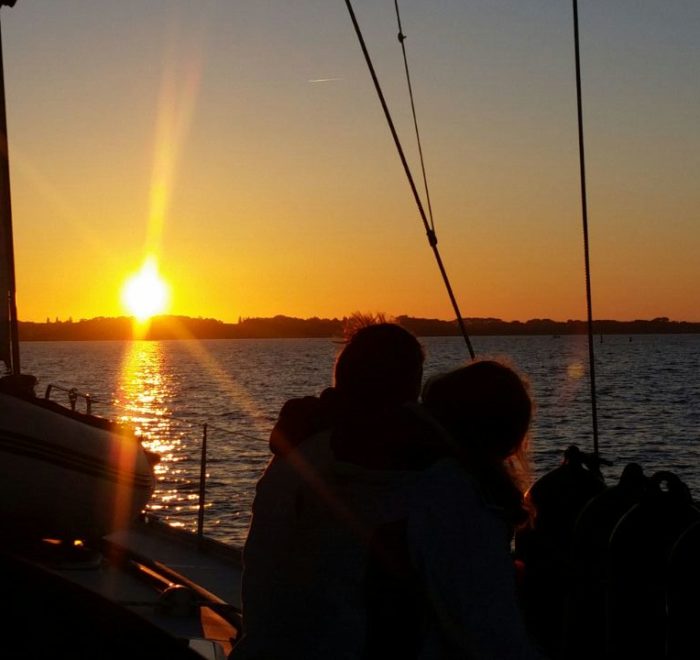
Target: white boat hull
[[63, 476]]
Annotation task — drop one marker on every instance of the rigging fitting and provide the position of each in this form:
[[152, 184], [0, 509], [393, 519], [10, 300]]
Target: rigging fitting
[[429, 228]]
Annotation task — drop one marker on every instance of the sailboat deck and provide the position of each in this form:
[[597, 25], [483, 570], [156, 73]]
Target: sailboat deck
[[213, 566]]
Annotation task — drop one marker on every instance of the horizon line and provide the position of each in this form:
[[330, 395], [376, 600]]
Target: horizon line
[[243, 319]]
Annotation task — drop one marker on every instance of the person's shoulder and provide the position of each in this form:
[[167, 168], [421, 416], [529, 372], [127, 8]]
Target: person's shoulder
[[446, 484], [398, 438], [313, 450], [447, 470], [296, 421], [300, 418]]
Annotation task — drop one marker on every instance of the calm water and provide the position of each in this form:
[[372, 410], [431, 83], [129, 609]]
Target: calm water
[[648, 403]]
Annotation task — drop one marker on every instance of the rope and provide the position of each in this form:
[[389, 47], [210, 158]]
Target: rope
[[584, 211], [430, 232]]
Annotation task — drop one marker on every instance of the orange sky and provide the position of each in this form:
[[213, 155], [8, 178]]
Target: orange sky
[[242, 143]]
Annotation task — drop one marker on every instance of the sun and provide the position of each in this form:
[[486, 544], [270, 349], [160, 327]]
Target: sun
[[146, 294]]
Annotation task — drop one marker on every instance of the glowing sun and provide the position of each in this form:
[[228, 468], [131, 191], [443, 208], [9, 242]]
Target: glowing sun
[[145, 294]]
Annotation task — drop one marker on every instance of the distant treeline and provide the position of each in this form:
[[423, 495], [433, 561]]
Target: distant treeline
[[183, 327]]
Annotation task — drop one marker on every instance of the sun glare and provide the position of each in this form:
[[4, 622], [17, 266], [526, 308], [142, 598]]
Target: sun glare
[[145, 294]]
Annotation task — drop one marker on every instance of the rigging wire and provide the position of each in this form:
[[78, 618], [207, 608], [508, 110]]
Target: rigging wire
[[432, 237], [402, 38], [584, 213]]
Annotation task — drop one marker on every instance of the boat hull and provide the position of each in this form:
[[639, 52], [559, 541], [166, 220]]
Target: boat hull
[[67, 475]]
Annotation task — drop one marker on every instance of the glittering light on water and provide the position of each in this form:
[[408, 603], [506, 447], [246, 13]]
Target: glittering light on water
[[575, 370], [143, 397]]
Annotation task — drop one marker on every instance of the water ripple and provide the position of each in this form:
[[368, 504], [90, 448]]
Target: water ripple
[[648, 404]]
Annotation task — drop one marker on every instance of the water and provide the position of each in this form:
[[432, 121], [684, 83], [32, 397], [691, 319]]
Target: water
[[648, 403]]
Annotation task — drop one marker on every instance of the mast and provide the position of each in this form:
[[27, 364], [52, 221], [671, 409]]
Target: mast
[[9, 336]]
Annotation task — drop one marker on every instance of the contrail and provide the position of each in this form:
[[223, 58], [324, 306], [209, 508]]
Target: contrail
[[323, 80]]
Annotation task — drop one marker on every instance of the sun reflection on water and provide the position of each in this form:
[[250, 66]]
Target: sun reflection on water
[[156, 396], [144, 395]]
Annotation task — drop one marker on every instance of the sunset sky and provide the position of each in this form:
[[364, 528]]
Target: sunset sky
[[242, 147]]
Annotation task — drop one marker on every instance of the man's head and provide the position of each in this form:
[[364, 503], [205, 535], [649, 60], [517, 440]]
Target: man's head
[[381, 365]]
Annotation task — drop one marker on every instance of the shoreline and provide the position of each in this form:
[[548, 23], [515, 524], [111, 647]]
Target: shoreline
[[284, 327]]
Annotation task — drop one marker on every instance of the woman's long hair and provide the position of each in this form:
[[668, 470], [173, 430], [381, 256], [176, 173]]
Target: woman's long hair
[[486, 407]]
